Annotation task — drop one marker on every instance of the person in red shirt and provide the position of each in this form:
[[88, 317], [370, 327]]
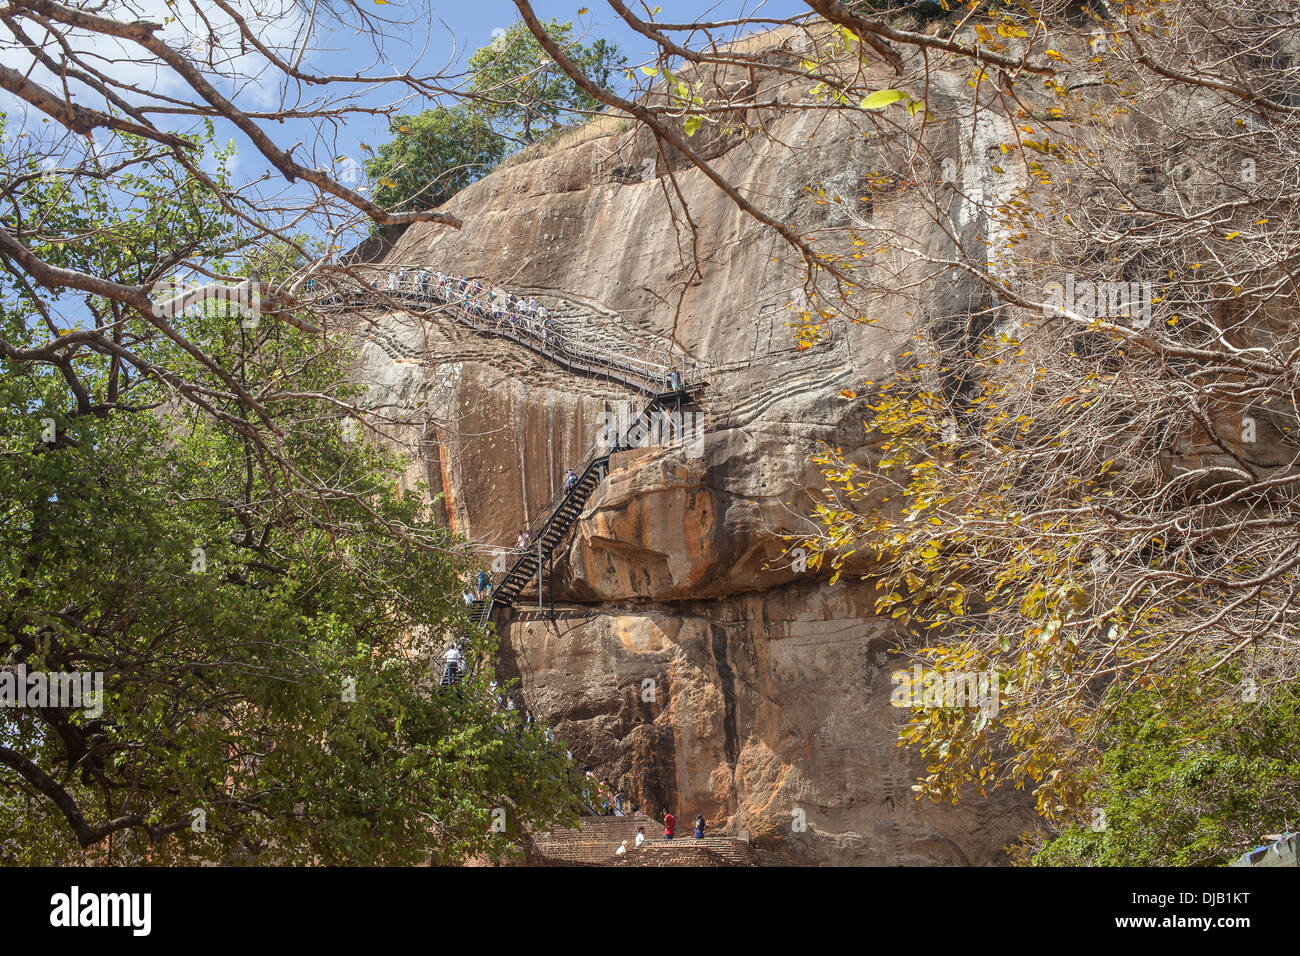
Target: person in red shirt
[[670, 825]]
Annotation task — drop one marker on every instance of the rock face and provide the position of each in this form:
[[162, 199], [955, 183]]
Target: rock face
[[688, 661]]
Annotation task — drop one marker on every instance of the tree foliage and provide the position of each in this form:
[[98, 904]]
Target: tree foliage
[[432, 156], [264, 604], [522, 91], [1185, 781]]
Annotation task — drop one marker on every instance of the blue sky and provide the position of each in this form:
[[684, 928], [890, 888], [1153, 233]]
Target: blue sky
[[461, 28], [440, 38]]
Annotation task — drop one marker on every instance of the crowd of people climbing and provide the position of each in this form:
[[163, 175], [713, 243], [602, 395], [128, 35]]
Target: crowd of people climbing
[[482, 585], [496, 310], [501, 309]]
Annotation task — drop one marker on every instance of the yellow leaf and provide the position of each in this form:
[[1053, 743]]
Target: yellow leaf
[[1232, 235], [881, 98], [848, 394]]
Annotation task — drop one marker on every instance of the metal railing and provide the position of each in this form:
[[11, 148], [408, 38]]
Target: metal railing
[[596, 456], [581, 348]]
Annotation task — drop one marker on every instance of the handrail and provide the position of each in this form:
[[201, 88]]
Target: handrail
[[595, 455], [588, 350], [593, 353]]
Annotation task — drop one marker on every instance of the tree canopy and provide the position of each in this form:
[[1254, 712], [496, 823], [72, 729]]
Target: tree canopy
[[432, 156], [522, 91], [1184, 781], [265, 640]]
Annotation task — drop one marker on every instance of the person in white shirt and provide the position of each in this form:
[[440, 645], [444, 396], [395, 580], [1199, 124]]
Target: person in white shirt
[[451, 666], [622, 848], [640, 835]]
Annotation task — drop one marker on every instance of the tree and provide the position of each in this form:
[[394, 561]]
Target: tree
[[432, 157], [1185, 781], [519, 88], [260, 607], [224, 65]]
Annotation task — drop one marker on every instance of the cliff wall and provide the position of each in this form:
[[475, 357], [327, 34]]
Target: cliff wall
[[688, 661]]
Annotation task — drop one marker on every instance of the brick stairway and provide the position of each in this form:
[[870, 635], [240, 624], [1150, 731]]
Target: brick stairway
[[688, 851], [596, 839]]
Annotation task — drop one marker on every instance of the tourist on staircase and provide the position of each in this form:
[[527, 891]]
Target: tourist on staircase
[[699, 826], [670, 825], [674, 380], [482, 584], [570, 479], [640, 835], [524, 540], [451, 667]]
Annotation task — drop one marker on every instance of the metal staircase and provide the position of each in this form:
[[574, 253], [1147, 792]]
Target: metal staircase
[[562, 338], [560, 514], [666, 376]]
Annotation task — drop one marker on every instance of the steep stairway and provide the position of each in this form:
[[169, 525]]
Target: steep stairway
[[559, 515], [574, 337]]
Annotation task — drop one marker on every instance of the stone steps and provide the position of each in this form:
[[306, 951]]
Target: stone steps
[[596, 840]]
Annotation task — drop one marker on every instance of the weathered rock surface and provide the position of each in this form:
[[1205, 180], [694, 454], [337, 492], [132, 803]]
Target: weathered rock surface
[[689, 662]]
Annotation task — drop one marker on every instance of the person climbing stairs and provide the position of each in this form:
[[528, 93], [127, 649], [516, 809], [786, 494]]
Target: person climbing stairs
[[562, 512]]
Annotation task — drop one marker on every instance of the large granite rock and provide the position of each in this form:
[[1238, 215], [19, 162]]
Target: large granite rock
[[689, 662]]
